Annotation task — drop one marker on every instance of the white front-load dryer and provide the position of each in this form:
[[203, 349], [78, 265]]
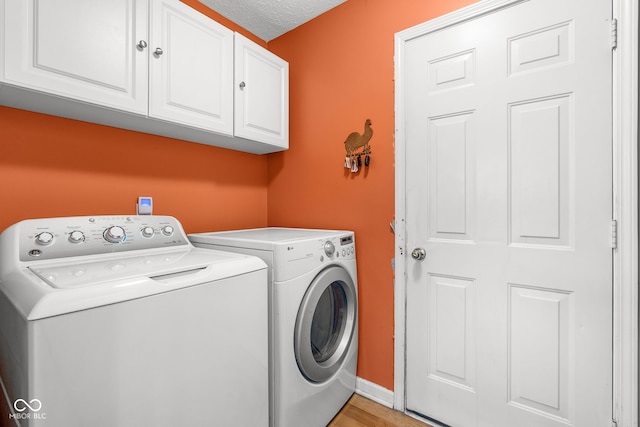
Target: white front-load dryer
[[313, 294]]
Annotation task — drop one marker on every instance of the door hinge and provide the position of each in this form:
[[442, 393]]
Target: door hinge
[[614, 34], [614, 423], [614, 234]]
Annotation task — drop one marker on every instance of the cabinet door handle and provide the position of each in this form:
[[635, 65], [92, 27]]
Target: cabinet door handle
[[242, 85], [158, 51], [142, 44]]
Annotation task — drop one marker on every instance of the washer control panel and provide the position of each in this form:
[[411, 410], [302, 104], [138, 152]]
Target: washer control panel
[[52, 238]]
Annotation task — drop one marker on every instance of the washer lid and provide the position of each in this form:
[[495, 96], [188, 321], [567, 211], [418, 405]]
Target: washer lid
[[45, 290], [92, 273]]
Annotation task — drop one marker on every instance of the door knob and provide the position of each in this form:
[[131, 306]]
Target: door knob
[[418, 254], [158, 51], [142, 44]]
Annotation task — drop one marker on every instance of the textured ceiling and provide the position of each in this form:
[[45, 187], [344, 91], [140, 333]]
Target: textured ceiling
[[269, 19]]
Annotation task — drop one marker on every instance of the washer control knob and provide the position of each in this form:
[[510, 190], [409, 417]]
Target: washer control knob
[[45, 238], [148, 232], [114, 234], [167, 230], [76, 236], [329, 248]]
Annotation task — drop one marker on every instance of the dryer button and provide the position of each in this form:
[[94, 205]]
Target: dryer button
[[329, 248]]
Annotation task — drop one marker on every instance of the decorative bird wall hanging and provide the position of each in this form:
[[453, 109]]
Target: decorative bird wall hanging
[[357, 145]]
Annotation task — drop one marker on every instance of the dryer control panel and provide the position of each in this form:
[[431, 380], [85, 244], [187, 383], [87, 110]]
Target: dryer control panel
[[301, 256], [339, 247], [52, 238], [347, 247]]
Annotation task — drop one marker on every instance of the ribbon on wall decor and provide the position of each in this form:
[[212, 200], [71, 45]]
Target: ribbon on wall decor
[[357, 146]]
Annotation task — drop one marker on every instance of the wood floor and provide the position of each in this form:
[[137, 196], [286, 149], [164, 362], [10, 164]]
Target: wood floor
[[362, 412]]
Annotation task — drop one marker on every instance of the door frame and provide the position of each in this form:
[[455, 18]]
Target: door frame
[[625, 201]]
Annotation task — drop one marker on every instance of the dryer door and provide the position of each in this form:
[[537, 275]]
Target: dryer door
[[325, 324]]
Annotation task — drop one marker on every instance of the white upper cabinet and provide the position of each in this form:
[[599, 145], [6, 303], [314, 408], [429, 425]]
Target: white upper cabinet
[[262, 94], [84, 49], [154, 66], [190, 68]]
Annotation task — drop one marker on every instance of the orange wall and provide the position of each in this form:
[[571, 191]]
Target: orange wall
[[341, 73], [51, 166]]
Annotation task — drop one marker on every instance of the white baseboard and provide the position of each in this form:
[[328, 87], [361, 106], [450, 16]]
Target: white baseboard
[[374, 392]]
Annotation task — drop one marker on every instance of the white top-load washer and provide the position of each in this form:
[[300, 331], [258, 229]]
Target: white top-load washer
[[121, 321], [313, 292]]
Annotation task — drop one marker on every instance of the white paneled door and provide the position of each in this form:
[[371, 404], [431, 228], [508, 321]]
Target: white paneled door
[[509, 193]]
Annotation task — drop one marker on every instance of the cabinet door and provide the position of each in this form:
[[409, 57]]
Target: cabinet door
[[191, 68], [82, 49], [262, 94]]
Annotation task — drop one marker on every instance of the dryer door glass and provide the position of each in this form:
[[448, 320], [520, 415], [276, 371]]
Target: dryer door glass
[[329, 321], [326, 324]]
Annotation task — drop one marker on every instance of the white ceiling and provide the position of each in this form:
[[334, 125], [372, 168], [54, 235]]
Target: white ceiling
[[269, 19]]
